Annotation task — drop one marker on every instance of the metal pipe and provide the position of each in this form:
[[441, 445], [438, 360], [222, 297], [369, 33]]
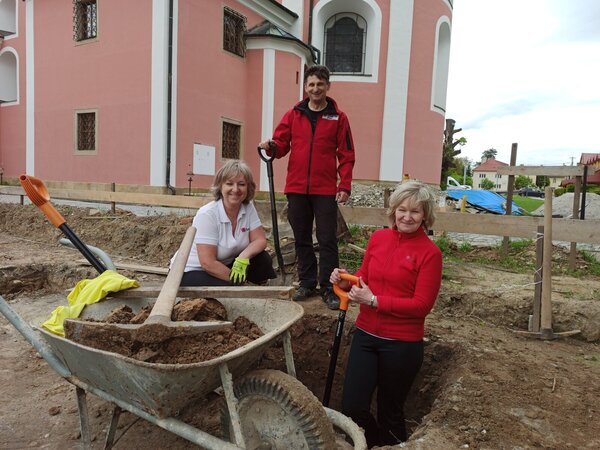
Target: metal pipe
[[102, 256], [170, 188]]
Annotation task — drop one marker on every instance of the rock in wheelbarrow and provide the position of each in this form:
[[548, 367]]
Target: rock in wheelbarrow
[[158, 327]]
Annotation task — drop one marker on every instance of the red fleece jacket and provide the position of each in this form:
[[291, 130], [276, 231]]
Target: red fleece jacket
[[404, 271], [312, 167]]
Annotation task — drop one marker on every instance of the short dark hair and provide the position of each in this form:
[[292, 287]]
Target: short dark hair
[[321, 72]]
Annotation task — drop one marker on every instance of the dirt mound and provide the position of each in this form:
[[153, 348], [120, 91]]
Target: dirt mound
[[482, 385]]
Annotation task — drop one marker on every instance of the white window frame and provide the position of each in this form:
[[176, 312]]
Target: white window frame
[[370, 11]]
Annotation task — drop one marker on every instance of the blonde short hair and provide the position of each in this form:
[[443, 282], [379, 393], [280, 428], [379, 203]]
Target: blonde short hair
[[231, 169], [420, 194]]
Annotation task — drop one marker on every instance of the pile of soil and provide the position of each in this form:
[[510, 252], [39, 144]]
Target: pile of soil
[[484, 383], [156, 343]]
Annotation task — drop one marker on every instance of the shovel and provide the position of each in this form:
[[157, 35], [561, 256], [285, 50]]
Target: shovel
[[343, 296], [269, 161], [38, 194], [158, 326]]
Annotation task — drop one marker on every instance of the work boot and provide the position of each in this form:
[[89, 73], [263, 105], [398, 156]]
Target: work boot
[[331, 300], [302, 293]]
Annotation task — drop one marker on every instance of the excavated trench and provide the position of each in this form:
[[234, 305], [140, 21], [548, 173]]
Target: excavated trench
[[312, 338]]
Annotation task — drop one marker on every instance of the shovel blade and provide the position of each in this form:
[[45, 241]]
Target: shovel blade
[[81, 330]]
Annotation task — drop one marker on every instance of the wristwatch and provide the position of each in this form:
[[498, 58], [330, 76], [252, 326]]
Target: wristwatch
[[373, 298]]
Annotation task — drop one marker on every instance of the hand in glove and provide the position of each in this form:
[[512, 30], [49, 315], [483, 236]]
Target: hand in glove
[[238, 270]]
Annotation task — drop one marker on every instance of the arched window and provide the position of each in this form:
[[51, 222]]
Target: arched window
[[440, 65], [345, 43], [9, 89]]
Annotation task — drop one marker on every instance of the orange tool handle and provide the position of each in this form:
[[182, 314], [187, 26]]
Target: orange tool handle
[[38, 193], [342, 294]]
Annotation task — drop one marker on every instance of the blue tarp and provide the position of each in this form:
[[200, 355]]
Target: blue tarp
[[490, 201]]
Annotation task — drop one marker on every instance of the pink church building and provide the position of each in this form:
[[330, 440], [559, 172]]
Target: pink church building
[[149, 93]]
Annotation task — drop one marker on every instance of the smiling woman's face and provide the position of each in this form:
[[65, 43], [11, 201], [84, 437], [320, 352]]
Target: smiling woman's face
[[234, 190], [409, 216]]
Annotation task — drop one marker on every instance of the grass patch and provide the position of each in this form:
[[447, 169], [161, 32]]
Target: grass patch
[[529, 204], [445, 245], [519, 245]]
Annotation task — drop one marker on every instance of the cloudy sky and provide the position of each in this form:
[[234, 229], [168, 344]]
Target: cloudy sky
[[526, 71]]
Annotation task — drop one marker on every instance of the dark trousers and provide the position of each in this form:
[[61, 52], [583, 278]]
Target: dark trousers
[[260, 270], [390, 366], [303, 210]]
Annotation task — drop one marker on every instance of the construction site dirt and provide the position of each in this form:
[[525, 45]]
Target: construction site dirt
[[483, 385]]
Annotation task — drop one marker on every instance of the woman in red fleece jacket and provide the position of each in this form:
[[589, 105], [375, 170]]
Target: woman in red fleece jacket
[[400, 278]]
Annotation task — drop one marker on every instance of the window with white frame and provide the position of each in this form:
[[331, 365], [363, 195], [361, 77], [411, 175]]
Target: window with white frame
[[85, 20], [441, 65], [9, 70], [345, 43], [86, 131], [8, 18], [336, 20]]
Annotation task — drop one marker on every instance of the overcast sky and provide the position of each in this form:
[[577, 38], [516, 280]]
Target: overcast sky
[[526, 71]]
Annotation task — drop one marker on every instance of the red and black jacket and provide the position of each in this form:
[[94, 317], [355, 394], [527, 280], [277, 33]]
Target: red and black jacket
[[315, 151]]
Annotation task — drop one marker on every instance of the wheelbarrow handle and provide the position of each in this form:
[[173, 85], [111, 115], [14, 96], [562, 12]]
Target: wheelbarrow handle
[[342, 294], [38, 194]]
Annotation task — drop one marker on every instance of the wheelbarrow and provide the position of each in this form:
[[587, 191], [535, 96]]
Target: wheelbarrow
[[158, 392]]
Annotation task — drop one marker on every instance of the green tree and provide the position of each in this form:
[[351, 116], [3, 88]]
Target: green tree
[[487, 184], [522, 181], [490, 153], [450, 150], [542, 181]]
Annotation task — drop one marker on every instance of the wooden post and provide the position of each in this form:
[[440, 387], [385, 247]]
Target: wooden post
[[509, 195], [386, 197], [546, 313], [112, 204], [576, 202], [537, 278]]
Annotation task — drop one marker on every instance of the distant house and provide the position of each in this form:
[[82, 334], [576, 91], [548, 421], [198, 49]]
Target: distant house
[[489, 170], [592, 160]]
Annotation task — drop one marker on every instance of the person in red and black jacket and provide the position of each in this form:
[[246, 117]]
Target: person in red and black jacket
[[316, 134], [399, 279]]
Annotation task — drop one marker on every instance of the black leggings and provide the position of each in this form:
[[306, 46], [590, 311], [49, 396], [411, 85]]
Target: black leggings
[[259, 271], [390, 366]]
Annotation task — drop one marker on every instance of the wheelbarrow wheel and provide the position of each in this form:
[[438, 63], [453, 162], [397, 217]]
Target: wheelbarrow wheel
[[278, 412]]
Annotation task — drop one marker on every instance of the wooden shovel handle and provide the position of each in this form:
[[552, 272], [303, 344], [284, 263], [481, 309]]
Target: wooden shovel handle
[[168, 294]]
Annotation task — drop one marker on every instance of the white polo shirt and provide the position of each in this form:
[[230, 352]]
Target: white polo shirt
[[213, 227]]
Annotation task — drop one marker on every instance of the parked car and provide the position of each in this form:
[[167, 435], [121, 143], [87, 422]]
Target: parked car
[[531, 192]]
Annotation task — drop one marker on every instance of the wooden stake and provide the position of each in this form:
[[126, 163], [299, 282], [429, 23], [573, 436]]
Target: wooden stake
[[537, 278], [546, 317]]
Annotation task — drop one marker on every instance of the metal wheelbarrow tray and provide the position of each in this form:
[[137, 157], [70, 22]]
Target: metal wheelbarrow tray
[[158, 392]]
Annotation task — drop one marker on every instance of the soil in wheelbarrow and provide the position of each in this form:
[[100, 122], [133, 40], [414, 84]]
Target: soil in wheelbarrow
[[164, 347]]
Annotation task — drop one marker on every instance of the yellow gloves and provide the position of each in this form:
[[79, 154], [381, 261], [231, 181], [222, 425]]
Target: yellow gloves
[[238, 270]]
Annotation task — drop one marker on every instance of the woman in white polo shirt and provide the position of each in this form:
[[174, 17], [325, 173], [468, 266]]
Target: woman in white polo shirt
[[230, 242]]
